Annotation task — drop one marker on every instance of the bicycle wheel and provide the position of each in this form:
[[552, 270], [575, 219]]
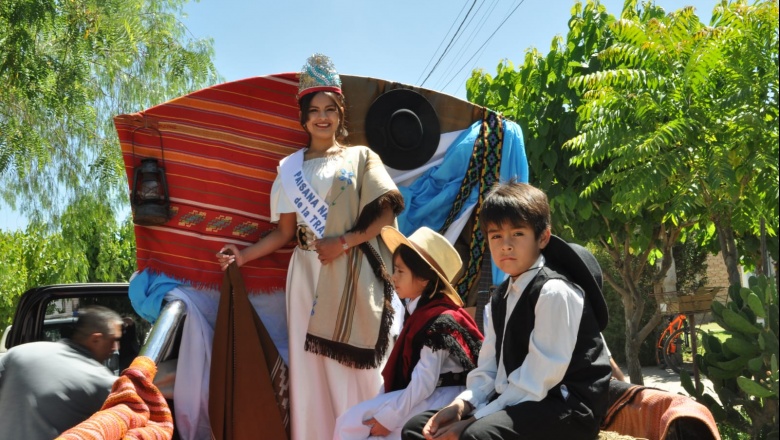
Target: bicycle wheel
[[660, 359], [678, 349]]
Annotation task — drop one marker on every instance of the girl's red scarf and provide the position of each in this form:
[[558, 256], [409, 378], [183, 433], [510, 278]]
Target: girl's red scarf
[[440, 325]]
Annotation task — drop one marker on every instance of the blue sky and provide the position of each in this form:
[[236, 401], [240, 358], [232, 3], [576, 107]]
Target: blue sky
[[393, 40], [398, 40]]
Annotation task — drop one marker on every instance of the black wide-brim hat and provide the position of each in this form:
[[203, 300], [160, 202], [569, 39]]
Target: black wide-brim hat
[[402, 127], [580, 266]]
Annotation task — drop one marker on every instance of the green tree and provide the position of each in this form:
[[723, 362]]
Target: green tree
[[540, 97], [654, 124], [742, 192], [13, 273], [67, 67], [683, 118], [106, 247], [634, 113], [90, 246]]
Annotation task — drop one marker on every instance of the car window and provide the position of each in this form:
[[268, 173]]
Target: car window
[[59, 328], [61, 315]]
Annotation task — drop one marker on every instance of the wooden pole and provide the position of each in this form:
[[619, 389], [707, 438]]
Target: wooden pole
[[694, 348]]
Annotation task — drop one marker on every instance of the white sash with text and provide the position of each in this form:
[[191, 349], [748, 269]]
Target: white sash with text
[[307, 202]]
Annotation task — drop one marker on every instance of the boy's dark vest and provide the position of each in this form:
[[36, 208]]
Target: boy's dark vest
[[589, 371]]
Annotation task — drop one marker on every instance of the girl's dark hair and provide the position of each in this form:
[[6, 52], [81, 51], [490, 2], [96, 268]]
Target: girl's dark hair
[[421, 269], [305, 102], [518, 204]]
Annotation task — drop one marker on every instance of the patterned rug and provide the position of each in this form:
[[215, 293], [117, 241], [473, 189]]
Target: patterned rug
[[220, 147]]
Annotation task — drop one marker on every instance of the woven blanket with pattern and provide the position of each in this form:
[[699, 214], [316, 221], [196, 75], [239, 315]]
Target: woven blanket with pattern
[[657, 414], [219, 147], [135, 409]]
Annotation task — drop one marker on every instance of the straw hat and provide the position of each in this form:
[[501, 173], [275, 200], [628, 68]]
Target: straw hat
[[434, 250]]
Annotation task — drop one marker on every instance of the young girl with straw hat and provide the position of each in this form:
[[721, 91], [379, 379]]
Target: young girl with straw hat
[[438, 345]]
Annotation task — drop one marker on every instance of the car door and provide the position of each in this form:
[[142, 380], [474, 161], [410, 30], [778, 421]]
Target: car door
[[47, 312]]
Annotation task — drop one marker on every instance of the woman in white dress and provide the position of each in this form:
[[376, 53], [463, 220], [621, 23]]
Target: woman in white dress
[[334, 200], [438, 345]]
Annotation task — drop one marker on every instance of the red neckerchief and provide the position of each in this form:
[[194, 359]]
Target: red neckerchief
[[402, 355]]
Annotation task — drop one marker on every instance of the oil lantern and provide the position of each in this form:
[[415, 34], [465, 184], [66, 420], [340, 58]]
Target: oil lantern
[[149, 193]]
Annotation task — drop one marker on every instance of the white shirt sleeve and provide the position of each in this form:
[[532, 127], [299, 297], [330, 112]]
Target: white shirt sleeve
[[480, 383], [558, 313], [280, 203], [395, 412]]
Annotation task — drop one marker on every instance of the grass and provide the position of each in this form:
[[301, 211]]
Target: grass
[[715, 330]]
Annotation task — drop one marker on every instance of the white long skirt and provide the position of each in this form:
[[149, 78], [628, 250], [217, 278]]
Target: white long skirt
[[321, 389], [350, 425]]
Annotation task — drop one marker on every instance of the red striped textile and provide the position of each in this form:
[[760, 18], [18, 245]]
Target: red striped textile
[[221, 146], [135, 409]]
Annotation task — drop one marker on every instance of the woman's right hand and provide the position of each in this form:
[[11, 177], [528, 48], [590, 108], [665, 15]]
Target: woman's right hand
[[225, 259]]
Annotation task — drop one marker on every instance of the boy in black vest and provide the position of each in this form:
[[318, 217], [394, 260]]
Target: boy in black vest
[[543, 371]]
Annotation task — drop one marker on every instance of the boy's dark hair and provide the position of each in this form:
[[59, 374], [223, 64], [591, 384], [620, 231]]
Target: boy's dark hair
[[305, 102], [420, 269], [518, 204]]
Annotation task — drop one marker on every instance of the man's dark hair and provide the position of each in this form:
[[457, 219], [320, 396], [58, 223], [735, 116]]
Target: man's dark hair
[[518, 204], [95, 319]]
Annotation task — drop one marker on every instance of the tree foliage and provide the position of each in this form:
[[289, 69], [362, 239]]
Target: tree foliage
[[683, 117], [642, 130], [68, 67], [89, 246], [539, 96]]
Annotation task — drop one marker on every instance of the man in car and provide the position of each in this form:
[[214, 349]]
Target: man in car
[[49, 387]]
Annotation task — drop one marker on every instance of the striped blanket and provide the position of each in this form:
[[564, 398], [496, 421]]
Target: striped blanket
[[220, 147], [135, 409], [654, 414]]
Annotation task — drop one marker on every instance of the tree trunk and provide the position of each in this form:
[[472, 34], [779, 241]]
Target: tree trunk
[[632, 356], [728, 248], [633, 343]]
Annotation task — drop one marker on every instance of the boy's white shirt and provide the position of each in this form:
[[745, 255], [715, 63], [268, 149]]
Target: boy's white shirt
[[558, 313]]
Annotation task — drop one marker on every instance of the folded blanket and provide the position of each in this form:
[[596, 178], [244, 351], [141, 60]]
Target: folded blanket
[[135, 409], [657, 414], [249, 384]]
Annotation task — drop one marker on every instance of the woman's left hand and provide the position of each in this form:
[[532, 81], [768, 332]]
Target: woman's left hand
[[377, 429], [328, 249]]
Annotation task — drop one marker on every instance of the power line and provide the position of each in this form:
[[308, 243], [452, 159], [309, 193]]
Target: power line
[[463, 83], [441, 42], [486, 42], [449, 44], [475, 31]]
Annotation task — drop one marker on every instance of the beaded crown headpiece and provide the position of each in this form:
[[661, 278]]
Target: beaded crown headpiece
[[318, 75]]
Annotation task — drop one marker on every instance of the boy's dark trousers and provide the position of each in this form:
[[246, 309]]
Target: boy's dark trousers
[[552, 418]]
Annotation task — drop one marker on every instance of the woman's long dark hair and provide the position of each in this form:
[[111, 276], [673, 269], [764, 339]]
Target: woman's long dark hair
[[305, 102], [421, 269]]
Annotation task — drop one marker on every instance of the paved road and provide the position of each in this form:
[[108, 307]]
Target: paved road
[[669, 380]]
